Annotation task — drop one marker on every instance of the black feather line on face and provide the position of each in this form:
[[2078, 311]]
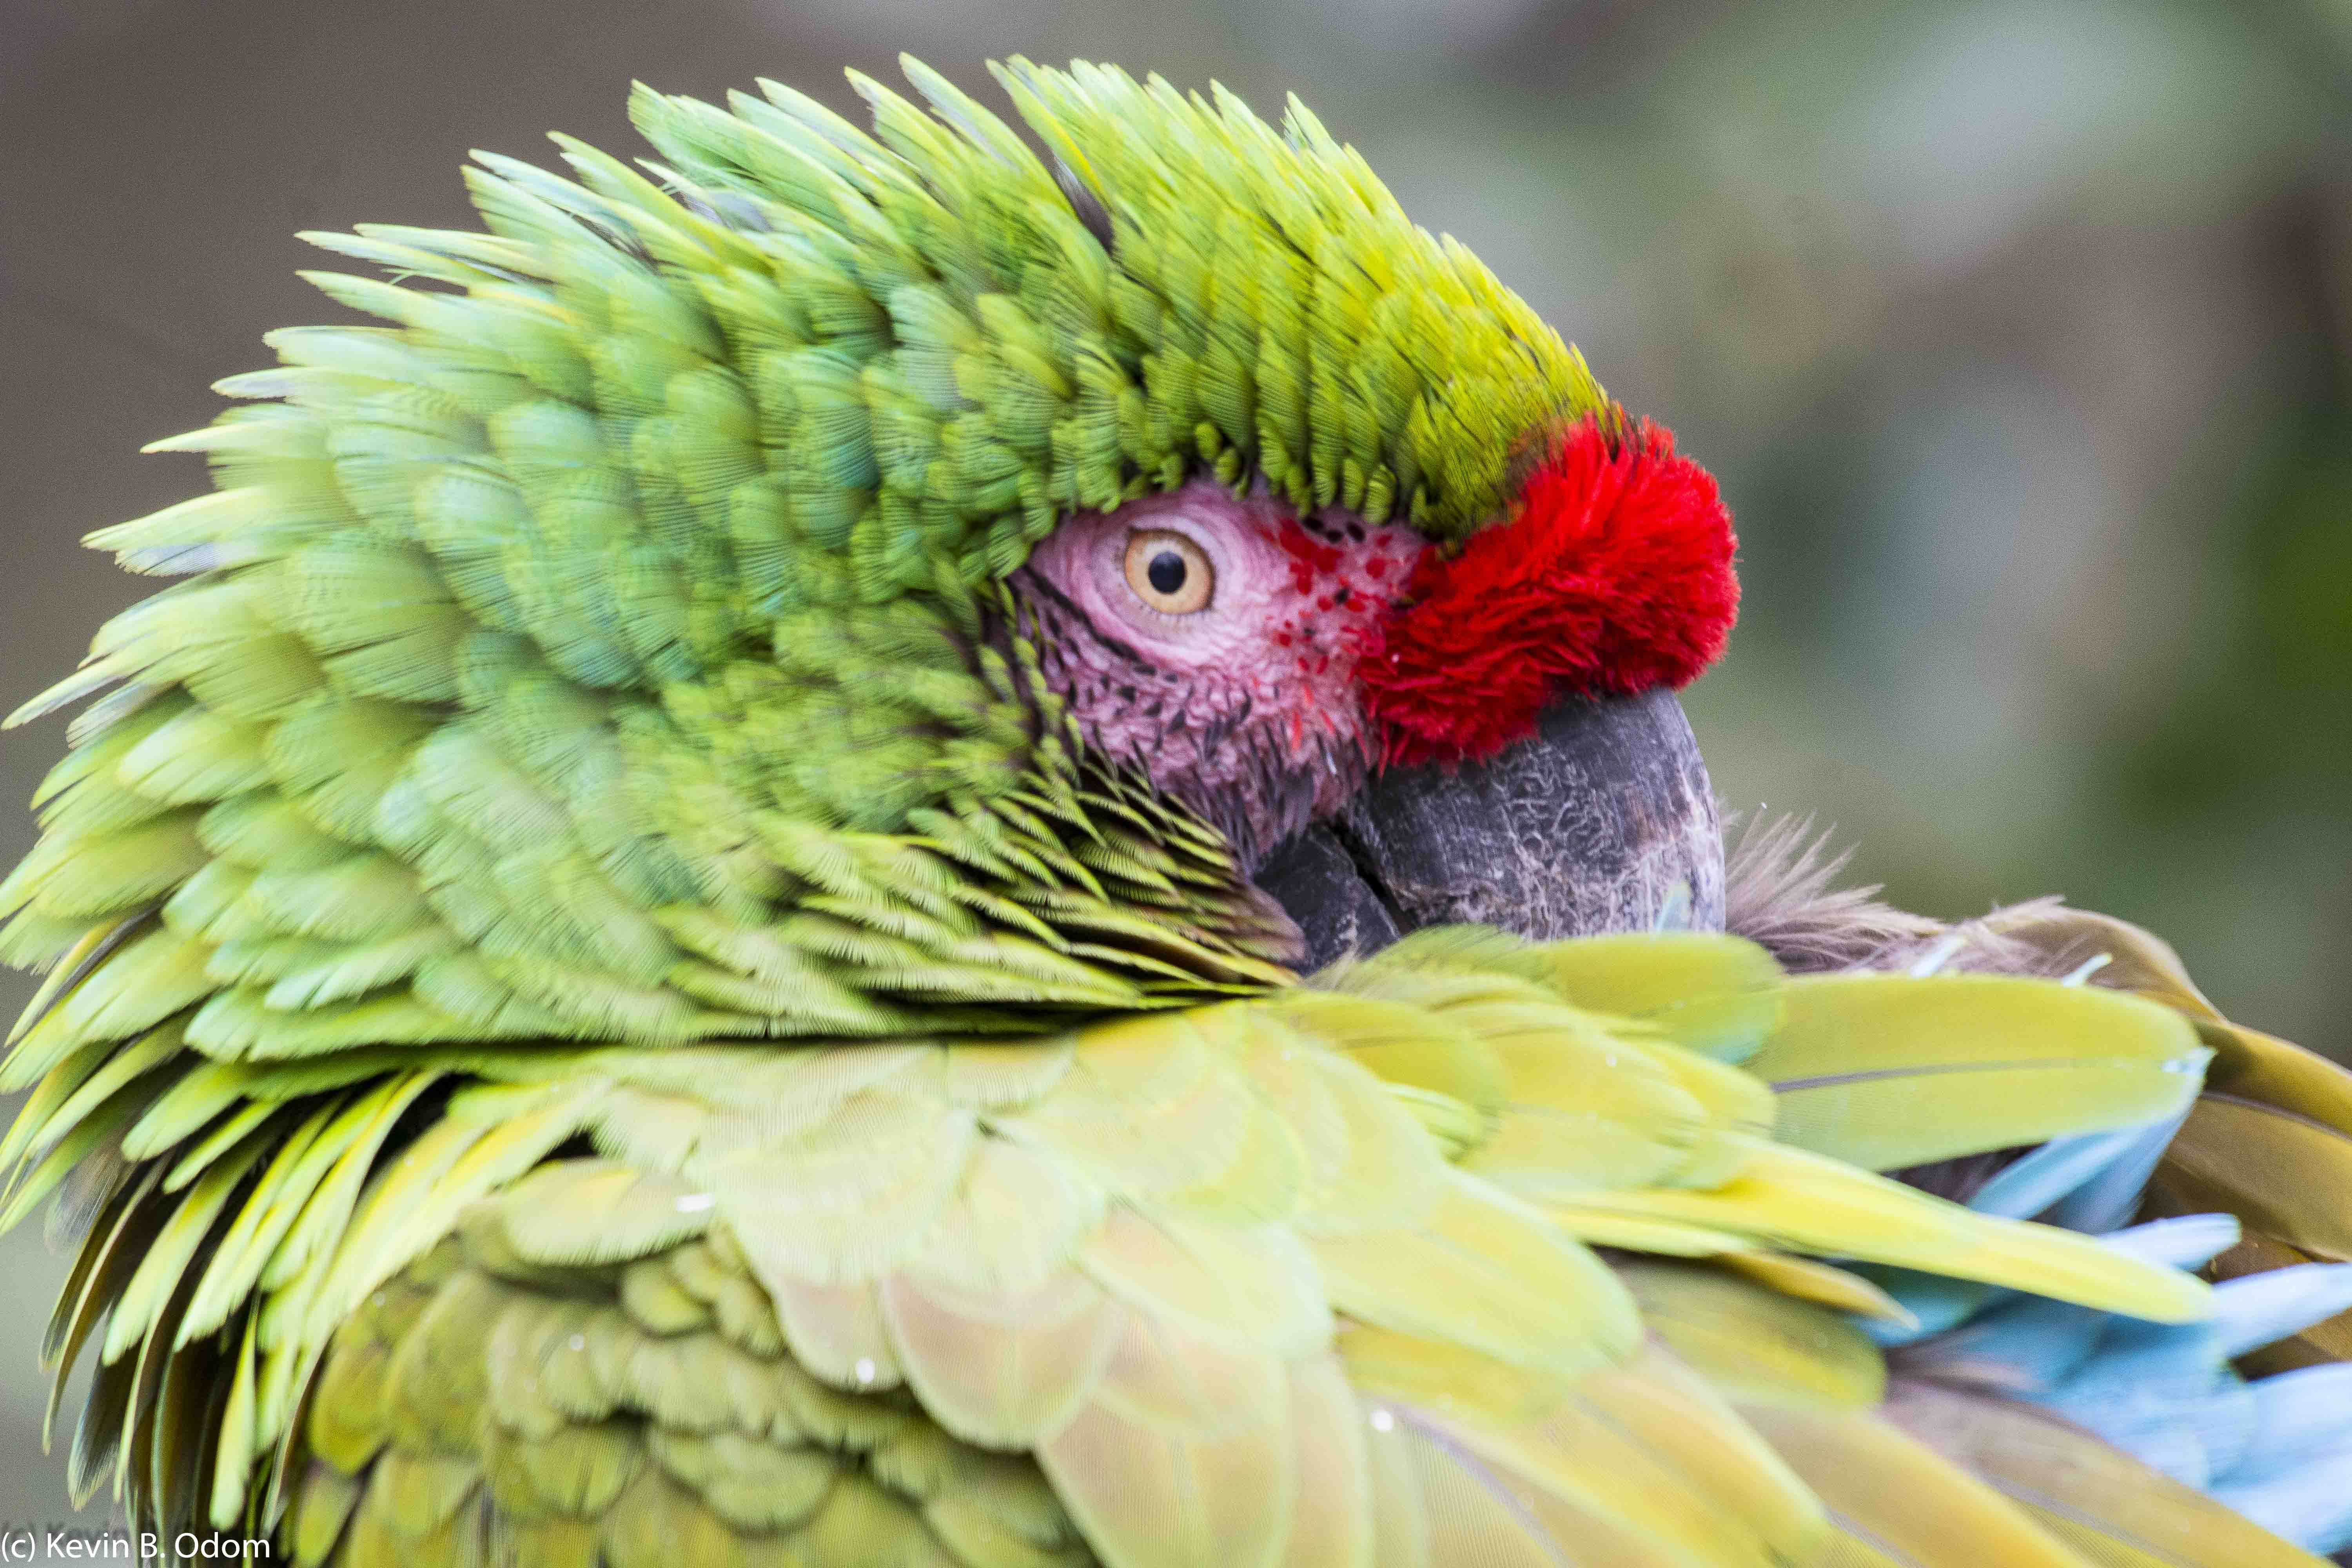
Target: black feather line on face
[[1054, 616], [1222, 728]]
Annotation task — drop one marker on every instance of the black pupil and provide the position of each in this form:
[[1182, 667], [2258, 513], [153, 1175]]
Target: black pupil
[[1167, 572]]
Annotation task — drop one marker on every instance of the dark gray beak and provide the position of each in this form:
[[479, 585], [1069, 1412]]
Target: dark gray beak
[[1602, 821]]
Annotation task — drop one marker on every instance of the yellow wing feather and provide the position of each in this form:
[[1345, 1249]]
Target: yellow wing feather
[[1214, 1285]]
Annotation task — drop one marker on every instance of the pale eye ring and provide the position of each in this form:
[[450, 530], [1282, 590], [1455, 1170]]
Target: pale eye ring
[[1169, 572]]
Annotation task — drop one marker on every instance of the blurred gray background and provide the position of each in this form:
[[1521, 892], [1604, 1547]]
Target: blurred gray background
[[2019, 334]]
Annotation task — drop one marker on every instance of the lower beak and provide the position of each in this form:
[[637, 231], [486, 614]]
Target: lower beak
[[1600, 821]]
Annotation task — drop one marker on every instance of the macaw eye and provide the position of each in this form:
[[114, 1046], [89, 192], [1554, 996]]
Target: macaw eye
[[1169, 572]]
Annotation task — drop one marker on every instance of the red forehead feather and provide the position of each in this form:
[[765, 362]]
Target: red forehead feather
[[1616, 577]]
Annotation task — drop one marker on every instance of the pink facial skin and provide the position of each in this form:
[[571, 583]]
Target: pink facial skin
[[1247, 708]]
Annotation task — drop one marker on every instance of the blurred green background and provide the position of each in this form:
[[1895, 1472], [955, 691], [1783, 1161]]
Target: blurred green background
[[2019, 335]]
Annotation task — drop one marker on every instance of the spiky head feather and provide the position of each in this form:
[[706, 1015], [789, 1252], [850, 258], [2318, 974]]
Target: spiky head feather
[[1257, 304]]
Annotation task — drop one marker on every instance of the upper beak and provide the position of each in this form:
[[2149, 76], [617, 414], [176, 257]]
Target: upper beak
[[1600, 821]]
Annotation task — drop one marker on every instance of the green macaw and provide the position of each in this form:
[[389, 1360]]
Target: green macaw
[[683, 946]]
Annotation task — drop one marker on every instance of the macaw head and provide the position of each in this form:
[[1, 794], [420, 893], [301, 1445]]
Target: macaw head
[[1396, 727], [1410, 641]]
